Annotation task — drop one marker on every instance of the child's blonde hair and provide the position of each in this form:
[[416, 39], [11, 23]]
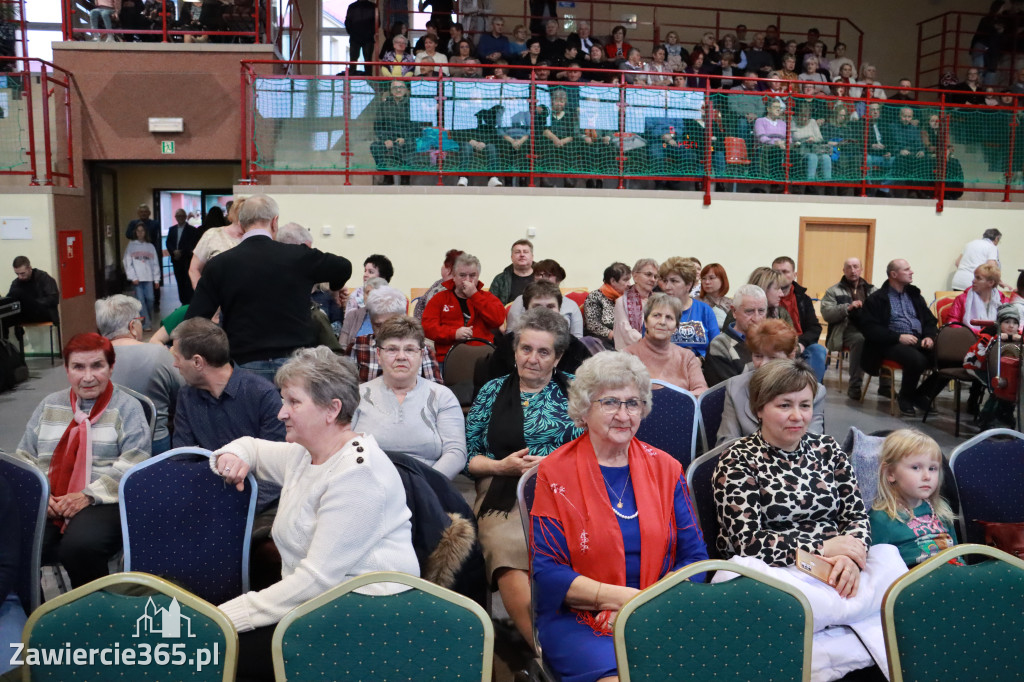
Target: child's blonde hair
[[898, 445]]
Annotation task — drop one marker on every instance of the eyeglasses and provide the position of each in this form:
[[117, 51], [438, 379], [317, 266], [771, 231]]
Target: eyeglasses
[[611, 405], [393, 351], [138, 319]]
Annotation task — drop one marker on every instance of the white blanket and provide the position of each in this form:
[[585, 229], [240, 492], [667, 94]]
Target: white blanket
[[832, 653]]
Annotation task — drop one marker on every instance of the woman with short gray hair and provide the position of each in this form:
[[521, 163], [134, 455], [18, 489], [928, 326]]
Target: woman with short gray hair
[[629, 308], [611, 516], [145, 368], [342, 511]]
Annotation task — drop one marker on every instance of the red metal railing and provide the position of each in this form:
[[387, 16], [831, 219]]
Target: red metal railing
[[654, 19], [252, 172], [946, 43], [51, 159], [12, 13], [257, 24]]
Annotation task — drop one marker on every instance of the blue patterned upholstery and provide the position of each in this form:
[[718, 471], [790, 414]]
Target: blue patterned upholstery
[[424, 633], [182, 522], [989, 474], [741, 630], [950, 622], [698, 479], [110, 612], [710, 405], [31, 490], [672, 424]]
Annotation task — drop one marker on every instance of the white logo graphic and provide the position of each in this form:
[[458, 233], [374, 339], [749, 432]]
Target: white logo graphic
[[163, 621]]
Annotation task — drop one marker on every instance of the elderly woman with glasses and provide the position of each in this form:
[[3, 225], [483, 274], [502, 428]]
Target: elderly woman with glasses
[[405, 412], [612, 516], [342, 511], [629, 307], [515, 421]]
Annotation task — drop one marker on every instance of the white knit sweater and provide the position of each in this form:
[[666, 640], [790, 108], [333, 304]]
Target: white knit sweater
[[335, 521]]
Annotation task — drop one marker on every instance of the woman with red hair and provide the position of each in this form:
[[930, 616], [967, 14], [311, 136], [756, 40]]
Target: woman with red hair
[[714, 285], [83, 440]]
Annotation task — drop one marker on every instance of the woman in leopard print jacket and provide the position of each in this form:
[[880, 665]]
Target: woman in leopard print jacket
[[783, 489]]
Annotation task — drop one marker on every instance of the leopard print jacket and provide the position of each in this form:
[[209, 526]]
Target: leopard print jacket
[[770, 502]]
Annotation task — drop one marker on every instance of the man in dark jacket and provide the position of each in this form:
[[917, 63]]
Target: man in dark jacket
[[38, 294], [839, 307], [801, 309], [898, 326], [181, 241], [262, 288]]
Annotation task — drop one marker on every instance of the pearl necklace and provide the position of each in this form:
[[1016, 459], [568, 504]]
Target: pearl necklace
[[617, 506]]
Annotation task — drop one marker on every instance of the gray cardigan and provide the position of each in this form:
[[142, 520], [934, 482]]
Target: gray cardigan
[[737, 419]]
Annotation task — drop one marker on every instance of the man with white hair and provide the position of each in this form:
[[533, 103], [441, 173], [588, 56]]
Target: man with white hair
[[382, 304], [728, 353], [462, 310], [262, 288]]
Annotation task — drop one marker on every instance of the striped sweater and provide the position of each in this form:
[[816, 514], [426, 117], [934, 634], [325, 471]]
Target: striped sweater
[[120, 439]]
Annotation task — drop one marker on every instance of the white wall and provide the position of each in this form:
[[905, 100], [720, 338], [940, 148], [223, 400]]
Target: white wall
[[586, 231], [38, 207]]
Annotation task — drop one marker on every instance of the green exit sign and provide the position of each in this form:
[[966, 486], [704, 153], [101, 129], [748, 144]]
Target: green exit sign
[[167, 147]]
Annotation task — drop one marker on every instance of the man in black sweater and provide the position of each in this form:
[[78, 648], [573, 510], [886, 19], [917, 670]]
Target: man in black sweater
[[262, 288]]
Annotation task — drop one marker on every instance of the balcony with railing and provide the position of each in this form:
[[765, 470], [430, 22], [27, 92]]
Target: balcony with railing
[[953, 42], [628, 131], [36, 142]]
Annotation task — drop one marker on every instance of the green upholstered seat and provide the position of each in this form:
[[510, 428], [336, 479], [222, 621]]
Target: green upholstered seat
[[138, 612], [746, 629], [423, 633], [948, 622]]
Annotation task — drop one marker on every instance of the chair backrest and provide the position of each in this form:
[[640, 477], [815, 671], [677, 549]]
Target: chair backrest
[[525, 491], [736, 150], [147, 407], [672, 424], [943, 310], [750, 628], [187, 638], [578, 297], [422, 633], [710, 405], [181, 521], [944, 621], [464, 369], [699, 477], [989, 474], [31, 491], [951, 345]]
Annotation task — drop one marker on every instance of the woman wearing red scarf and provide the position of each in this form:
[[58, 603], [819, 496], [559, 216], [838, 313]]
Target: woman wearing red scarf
[[599, 307], [611, 517], [84, 440]]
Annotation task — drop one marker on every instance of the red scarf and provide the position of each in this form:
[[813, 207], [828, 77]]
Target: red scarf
[[570, 490], [788, 302], [71, 465], [634, 308]]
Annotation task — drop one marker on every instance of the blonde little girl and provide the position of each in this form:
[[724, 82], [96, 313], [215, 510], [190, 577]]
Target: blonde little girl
[[909, 511]]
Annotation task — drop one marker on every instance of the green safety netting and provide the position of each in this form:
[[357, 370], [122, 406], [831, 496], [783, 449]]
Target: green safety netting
[[13, 128], [513, 127]]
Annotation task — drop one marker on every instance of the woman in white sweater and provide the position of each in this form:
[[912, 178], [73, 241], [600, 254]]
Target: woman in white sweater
[[142, 267], [342, 511]]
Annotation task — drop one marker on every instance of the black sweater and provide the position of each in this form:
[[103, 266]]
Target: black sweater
[[262, 288]]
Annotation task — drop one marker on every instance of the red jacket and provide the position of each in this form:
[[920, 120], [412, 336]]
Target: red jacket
[[443, 317], [956, 312]]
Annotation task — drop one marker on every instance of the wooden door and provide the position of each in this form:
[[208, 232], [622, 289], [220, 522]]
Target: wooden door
[[826, 243]]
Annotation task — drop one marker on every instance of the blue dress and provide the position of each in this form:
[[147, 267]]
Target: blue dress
[[570, 647]]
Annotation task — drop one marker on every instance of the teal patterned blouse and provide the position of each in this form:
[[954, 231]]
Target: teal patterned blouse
[[545, 416]]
